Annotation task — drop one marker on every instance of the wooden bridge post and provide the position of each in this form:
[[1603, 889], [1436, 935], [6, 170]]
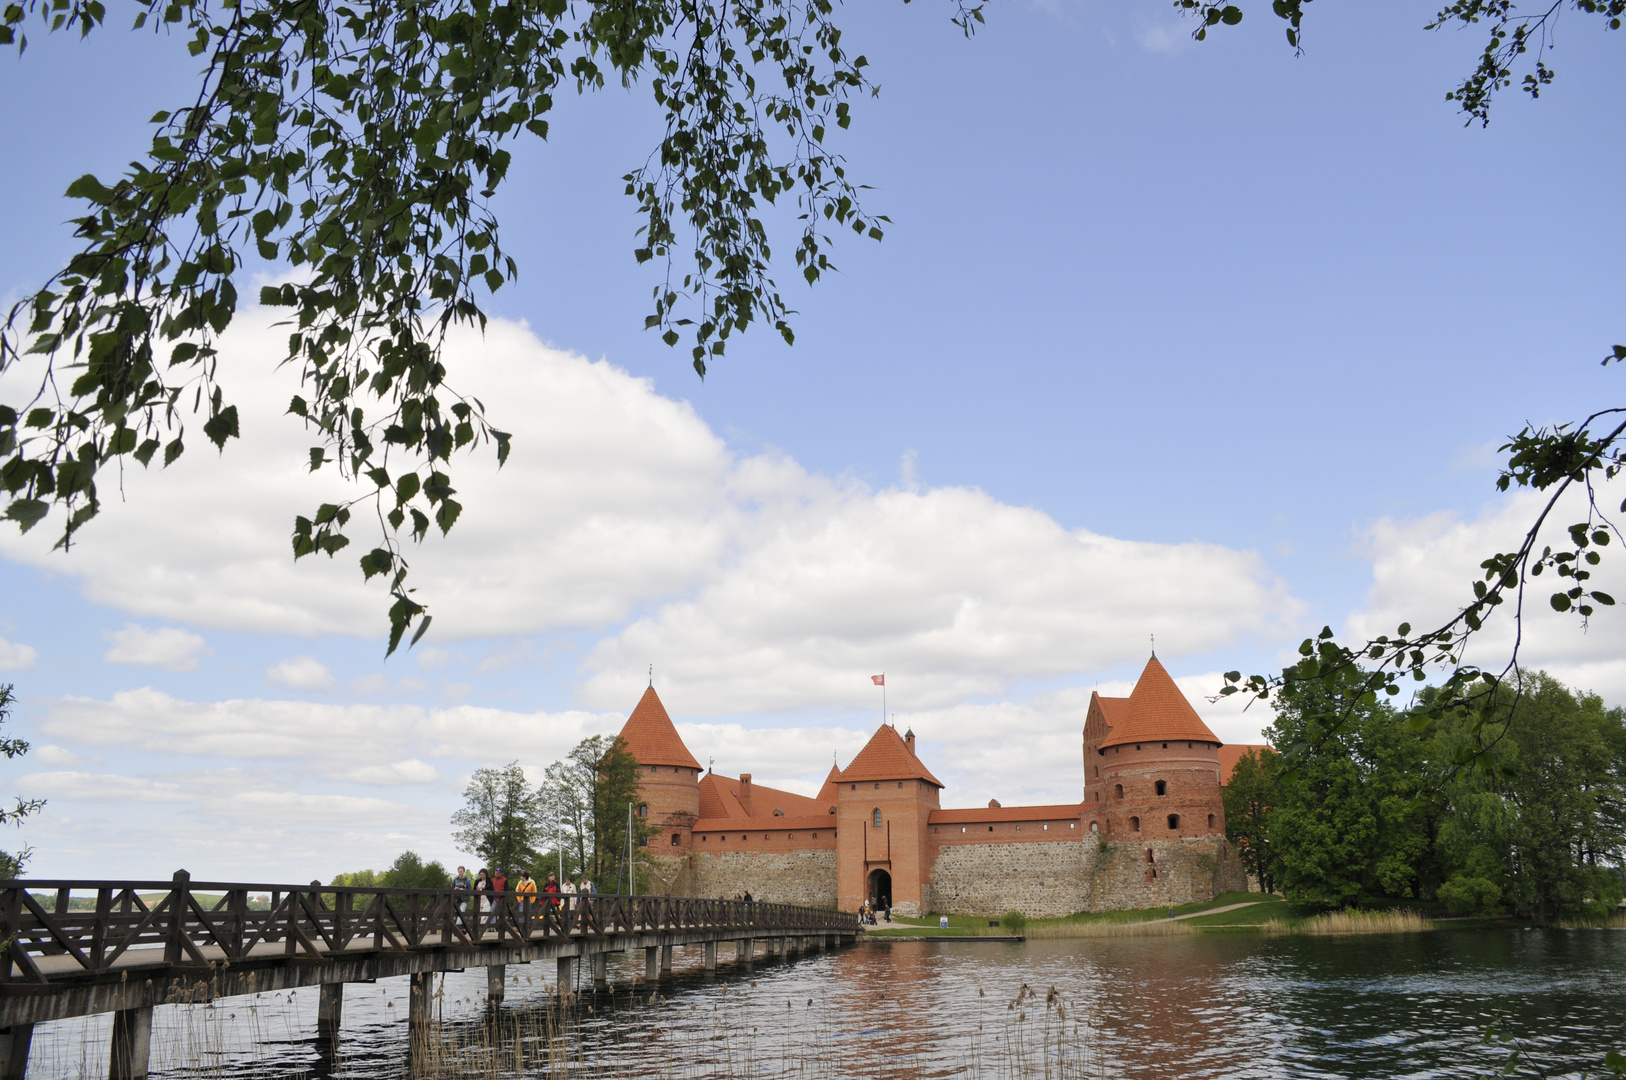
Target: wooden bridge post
[[495, 976], [711, 956], [420, 1015], [743, 950], [652, 963], [330, 1012], [131, 1044], [567, 976], [666, 961], [14, 1044], [179, 901], [601, 970]]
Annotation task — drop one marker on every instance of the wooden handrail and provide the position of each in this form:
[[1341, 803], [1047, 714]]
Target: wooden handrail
[[318, 920]]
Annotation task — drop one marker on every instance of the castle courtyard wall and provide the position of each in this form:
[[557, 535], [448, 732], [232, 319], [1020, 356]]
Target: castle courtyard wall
[[806, 877]]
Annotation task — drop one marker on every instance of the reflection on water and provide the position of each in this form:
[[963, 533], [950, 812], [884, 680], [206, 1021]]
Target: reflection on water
[[1201, 1006]]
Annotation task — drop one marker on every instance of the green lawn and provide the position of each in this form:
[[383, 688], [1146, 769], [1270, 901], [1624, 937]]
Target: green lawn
[[1262, 910]]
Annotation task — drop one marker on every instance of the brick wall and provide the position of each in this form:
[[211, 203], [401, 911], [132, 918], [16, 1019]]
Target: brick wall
[[1187, 871]]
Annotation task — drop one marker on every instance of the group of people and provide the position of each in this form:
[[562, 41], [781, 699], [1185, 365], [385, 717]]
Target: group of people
[[867, 912], [486, 885]]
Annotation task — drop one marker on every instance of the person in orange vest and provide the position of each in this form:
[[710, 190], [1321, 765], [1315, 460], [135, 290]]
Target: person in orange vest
[[526, 888]]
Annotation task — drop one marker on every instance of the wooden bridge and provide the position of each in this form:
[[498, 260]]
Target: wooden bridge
[[128, 946]]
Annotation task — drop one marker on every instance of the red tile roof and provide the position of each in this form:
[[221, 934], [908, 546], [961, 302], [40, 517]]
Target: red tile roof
[[827, 793], [1232, 753], [1156, 711], [1066, 812], [652, 738], [886, 757], [720, 801]]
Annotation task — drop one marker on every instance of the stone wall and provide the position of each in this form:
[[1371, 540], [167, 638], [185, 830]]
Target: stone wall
[[796, 877], [1187, 871], [1044, 880]]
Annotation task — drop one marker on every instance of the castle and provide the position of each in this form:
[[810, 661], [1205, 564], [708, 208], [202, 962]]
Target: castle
[[1149, 832]]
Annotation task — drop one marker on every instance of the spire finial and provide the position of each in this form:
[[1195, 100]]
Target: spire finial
[[652, 676], [1154, 646]]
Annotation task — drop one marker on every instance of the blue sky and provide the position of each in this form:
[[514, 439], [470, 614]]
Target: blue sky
[[1206, 340]]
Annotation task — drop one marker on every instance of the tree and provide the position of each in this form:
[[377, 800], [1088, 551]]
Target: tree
[[361, 145], [1250, 799], [1543, 829], [502, 818], [1349, 822], [12, 863], [586, 798]]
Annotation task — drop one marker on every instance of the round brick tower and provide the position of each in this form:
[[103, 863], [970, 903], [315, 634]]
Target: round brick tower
[[1151, 766], [669, 776]]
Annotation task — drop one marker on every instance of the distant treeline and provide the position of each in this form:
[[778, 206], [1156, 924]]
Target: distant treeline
[[1519, 810]]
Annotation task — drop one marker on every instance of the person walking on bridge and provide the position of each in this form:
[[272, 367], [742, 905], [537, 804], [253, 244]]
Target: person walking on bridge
[[567, 889], [482, 894], [499, 894], [526, 889], [461, 884]]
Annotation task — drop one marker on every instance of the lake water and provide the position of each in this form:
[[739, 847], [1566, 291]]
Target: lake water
[[1201, 1006]]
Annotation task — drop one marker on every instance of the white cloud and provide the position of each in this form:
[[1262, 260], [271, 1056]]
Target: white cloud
[[949, 591], [755, 584], [410, 771], [337, 739], [166, 647], [302, 672], [50, 754], [1423, 572], [83, 785], [15, 656]]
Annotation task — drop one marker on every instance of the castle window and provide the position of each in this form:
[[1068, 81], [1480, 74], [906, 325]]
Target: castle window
[[1174, 821], [1118, 790], [1162, 787], [652, 768], [1137, 746], [1149, 857], [1098, 772], [643, 810], [900, 783], [877, 786], [1165, 746], [674, 839], [962, 828], [990, 828], [877, 816], [1019, 828], [1095, 826], [855, 787], [1045, 827], [1210, 821], [1134, 824]]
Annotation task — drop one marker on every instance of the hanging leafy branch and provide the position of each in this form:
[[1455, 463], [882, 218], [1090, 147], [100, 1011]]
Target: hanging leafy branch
[[1551, 460], [361, 145]]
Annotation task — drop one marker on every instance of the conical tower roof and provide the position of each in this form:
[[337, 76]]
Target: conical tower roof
[[1157, 712], [887, 757], [651, 736], [827, 793]]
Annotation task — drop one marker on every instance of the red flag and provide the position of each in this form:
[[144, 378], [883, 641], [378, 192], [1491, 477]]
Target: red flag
[[878, 680]]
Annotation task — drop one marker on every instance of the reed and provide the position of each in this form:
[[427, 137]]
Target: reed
[[1161, 928], [1354, 921]]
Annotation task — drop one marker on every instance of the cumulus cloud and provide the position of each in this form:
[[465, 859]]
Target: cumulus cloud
[[15, 656], [950, 591], [1423, 570], [301, 672], [410, 771], [50, 754], [83, 785], [754, 584], [166, 647], [336, 738]]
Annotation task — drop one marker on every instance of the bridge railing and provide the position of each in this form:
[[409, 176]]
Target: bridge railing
[[203, 922]]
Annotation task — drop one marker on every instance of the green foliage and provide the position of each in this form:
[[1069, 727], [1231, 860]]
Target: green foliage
[[1013, 921], [585, 799], [1464, 895], [502, 818], [1512, 36], [12, 863], [1250, 797], [1348, 821], [362, 146]]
